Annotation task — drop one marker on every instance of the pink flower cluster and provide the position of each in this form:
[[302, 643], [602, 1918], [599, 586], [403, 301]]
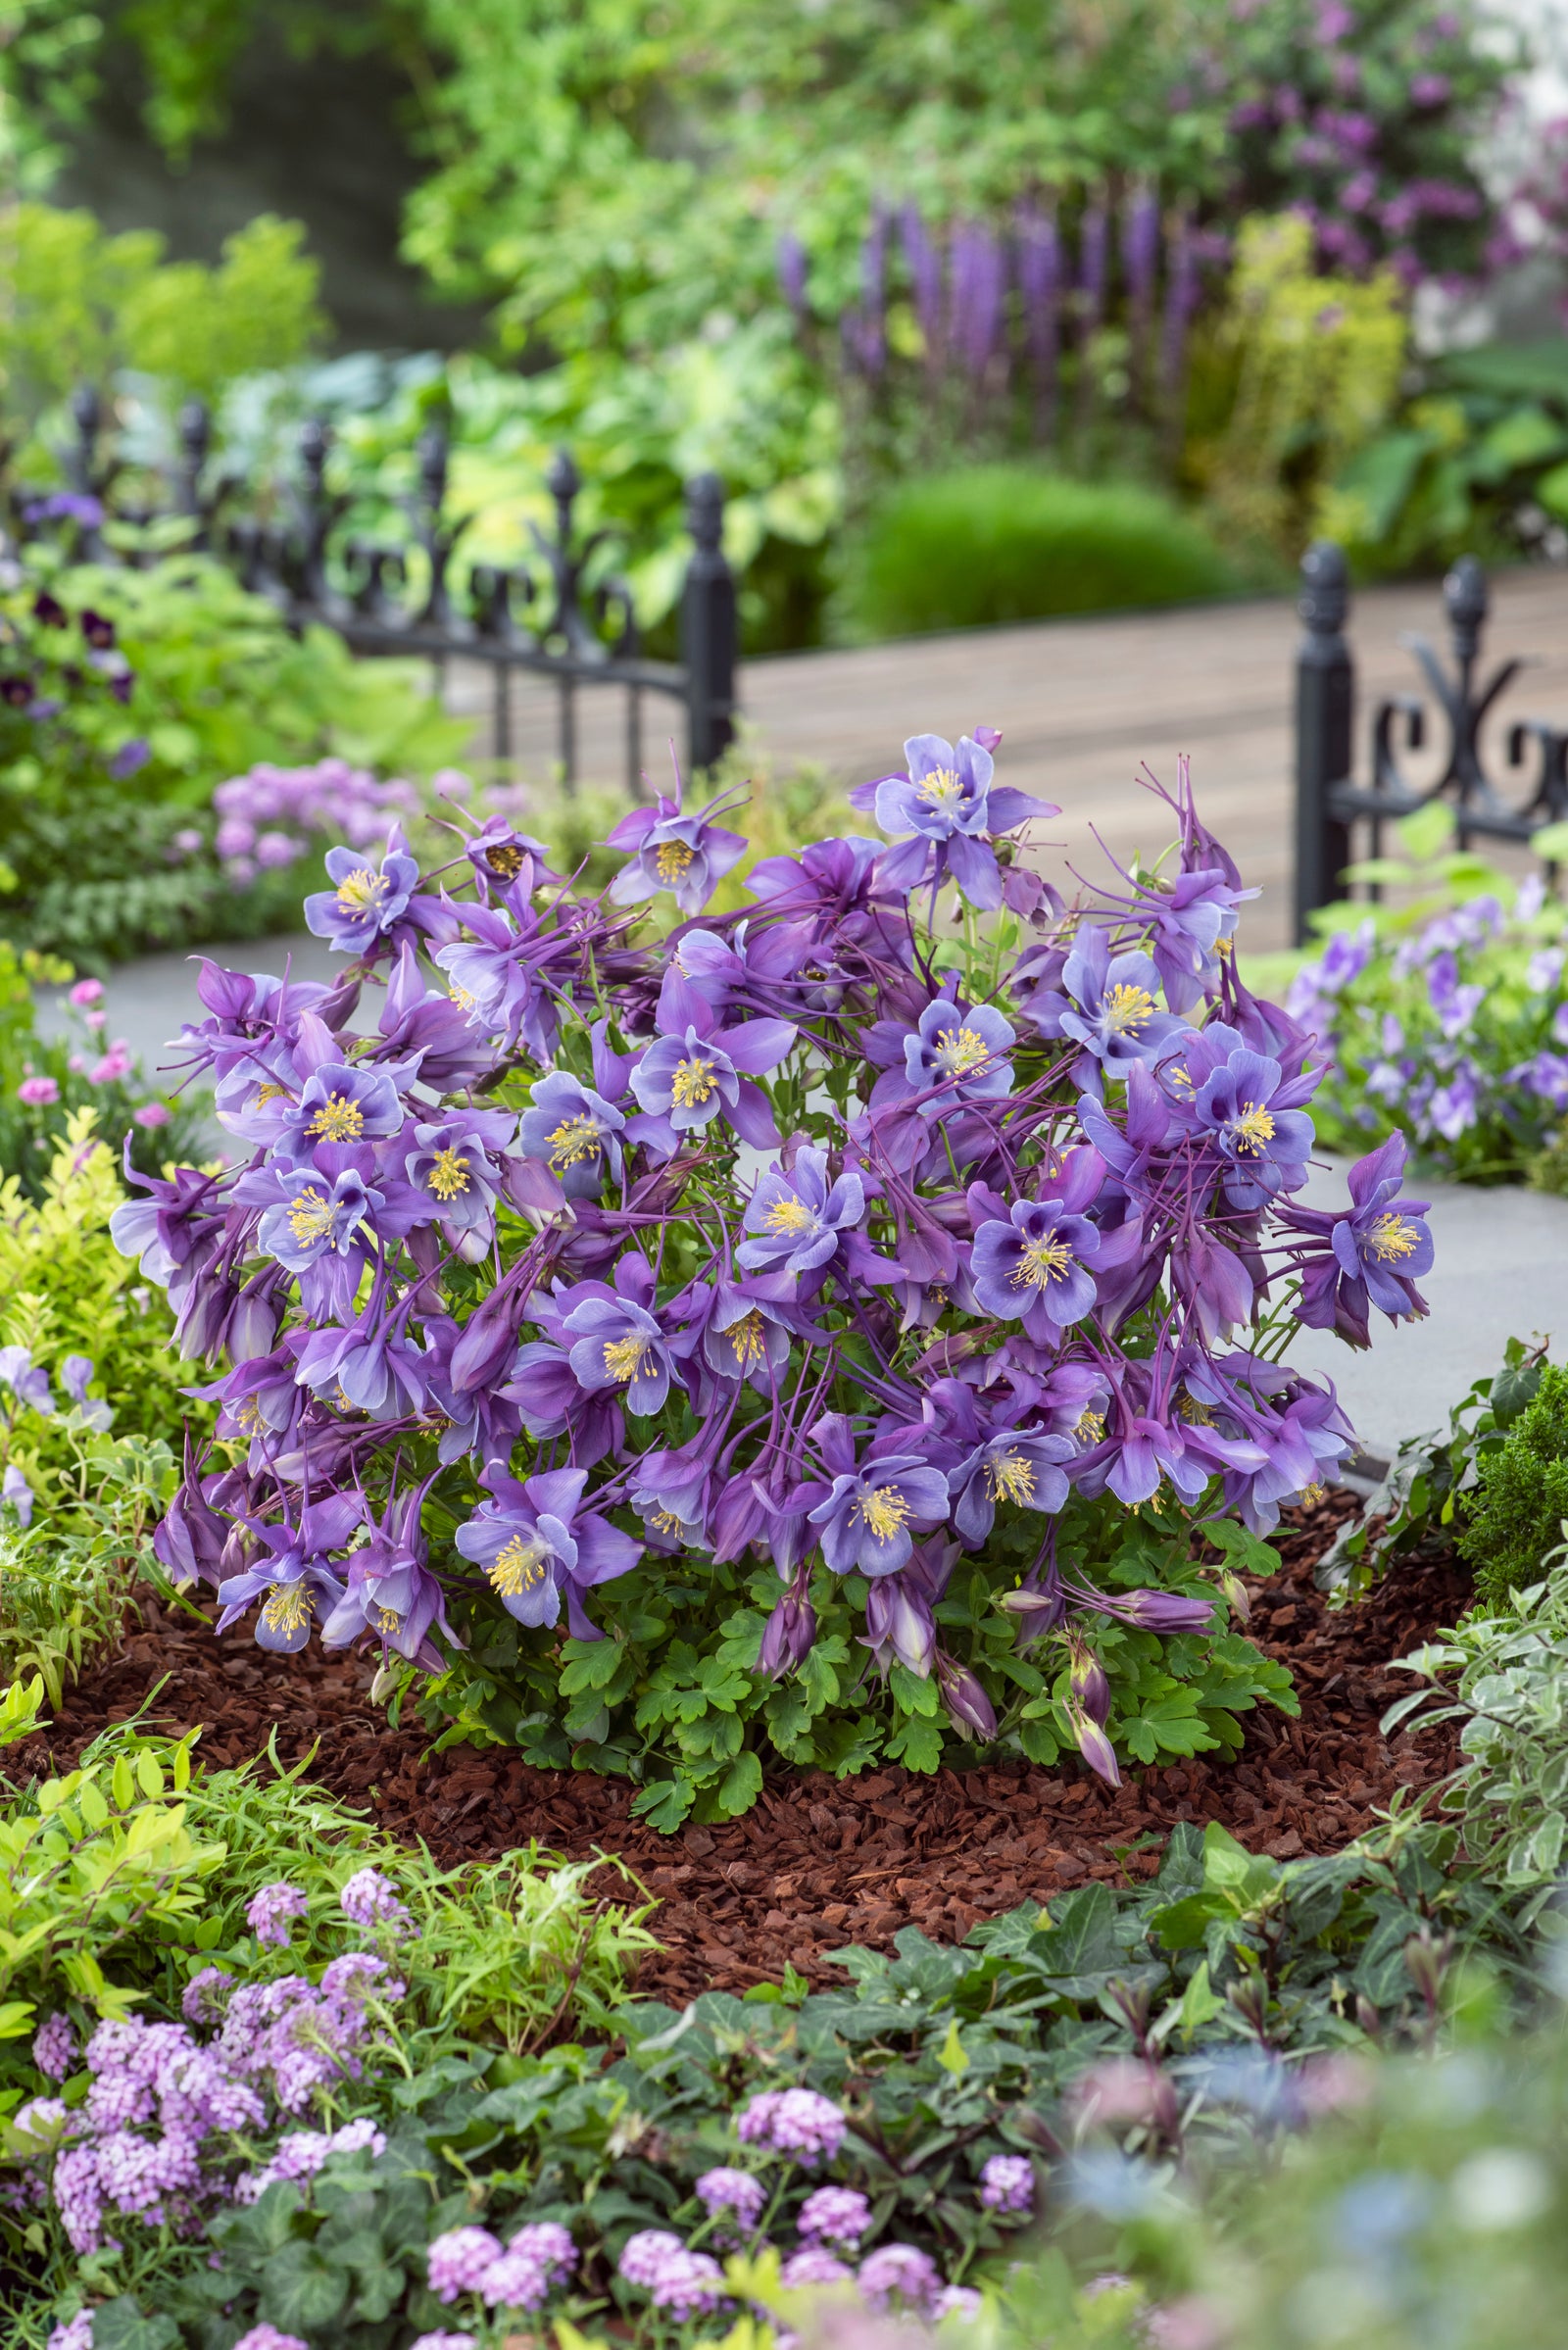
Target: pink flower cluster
[[470, 2259], [266, 818], [794, 2122], [152, 2139]]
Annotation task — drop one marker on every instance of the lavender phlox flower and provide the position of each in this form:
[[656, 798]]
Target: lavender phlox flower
[[1020, 1465], [292, 1571], [17, 1493], [456, 2261], [813, 2264], [202, 2001], [867, 1513], [738, 2194], [647, 2253], [55, 2047], [688, 2285], [684, 1082], [1543, 970], [1036, 1267], [945, 803], [670, 850], [1455, 1006], [1007, 2184], [535, 1546], [268, 1912], [537, 2259], [834, 2215], [575, 1131], [453, 1168], [898, 2274], [267, 2336], [75, 2333], [793, 1222], [961, 2301], [445, 2337], [26, 1380], [368, 898], [304, 2153], [797, 2123], [1453, 1109], [368, 1899]]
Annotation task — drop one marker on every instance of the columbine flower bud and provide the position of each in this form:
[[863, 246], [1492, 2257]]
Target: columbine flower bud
[[1236, 1595], [1164, 1611], [789, 1633], [1094, 1745], [970, 1709], [1090, 1689]]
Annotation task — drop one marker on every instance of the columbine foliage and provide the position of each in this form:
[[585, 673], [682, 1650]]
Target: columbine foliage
[[803, 1331]]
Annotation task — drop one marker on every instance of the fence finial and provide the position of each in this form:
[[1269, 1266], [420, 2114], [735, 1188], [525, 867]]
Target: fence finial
[[708, 627], [1325, 705]]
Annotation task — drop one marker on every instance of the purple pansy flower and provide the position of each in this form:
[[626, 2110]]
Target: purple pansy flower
[[369, 897], [687, 855], [535, 1546], [793, 1222]]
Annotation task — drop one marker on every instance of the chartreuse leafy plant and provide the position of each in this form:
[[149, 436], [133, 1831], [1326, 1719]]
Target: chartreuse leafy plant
[[811, 1335]]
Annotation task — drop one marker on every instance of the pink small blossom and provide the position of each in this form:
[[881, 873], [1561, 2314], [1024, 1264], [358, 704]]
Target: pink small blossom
[[152, 1114], [86, 991], [38, 1092]]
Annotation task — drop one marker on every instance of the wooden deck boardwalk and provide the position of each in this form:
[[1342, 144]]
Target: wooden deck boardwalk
[[1082, 703]]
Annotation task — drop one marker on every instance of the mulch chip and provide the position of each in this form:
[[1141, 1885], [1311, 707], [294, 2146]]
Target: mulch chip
[[820, 1862]]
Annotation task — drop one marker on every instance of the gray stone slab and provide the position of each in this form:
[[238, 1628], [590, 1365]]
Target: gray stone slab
[[1500, 1272], [148, 1000]]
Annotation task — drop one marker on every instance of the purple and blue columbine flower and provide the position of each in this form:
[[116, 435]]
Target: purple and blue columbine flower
[[368, 898], [795, 1223], [292, 1571], [1108, 1004], [866, 1519], [953, 1055], [1371, 1254], [574, 1131], [1020, 1465], [1036, 1268], [538, 1546], [686, 1082], [686, 855], [946, 804]]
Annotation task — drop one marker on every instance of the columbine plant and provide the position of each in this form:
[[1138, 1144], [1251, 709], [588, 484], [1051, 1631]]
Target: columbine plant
[[880, 1304]]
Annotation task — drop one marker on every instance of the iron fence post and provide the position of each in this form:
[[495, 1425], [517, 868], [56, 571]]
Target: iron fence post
[[708, 627], [1325, 711]]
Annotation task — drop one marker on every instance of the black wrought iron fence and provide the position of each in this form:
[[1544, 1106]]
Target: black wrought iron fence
[[1331, 804], [562, 616]]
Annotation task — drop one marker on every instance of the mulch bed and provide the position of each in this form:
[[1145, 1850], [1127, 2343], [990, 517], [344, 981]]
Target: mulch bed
[[821, 1862]]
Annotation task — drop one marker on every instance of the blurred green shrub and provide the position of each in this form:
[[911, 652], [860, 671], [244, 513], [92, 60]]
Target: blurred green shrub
[[1516, 1514], [81, 304], [992, 544]]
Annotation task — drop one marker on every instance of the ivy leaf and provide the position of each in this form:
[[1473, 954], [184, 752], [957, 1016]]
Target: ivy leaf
[[300, 2289], [118, 2325]]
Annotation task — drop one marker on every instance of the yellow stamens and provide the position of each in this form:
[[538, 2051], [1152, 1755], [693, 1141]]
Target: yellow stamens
[[624, 1356], [288, 1606], [1178, 1079], [311, 1218], [961, 1050], [575, 1140], [673, 860], [1039, 1264], [1194, 1414], [387, 1621], [788, 1216], [942, 788], [1012, 1479], [1312, 1494], [749, 1340], [884, 1511], [360, 891], [693, 1082], [462, 997], [1391, 1238], [1090, 1425], [247, 1416], [269, 1093], [505, 859], [519, 1566], [338, 1121], [449, 1173], [1253, 1129], [1127, 1009], [665, 1522]]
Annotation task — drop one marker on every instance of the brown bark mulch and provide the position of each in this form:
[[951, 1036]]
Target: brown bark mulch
[[821, 1862]]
